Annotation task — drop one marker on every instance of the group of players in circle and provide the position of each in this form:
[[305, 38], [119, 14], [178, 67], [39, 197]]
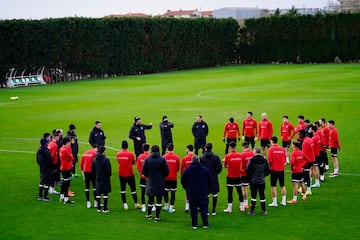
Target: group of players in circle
[[199, 175]]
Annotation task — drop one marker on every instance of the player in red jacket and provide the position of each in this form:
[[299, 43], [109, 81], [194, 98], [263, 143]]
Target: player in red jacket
[[286, 131], [232, 162], [298, 161], [308, 150], [173, 162], [54, 153], [299, 127], [89, 177], [231, 133], [66, 166], [277, 160], [246, 155], [265, 133], [316, 139], [139, 165], [334, 144], [249, 130], [185, 163], [126, 160], [326, 135]]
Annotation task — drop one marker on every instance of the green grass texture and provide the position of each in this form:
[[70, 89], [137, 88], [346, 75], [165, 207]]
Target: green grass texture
[[319, 90]]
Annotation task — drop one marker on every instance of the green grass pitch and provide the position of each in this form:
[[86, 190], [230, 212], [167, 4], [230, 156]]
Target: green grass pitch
[[324, 90]]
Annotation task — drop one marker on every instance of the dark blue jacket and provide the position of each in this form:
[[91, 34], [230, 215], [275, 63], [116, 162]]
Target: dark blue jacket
[[101, 167], [75, 145], [97, 136], [43, 159], [196, 180], [257, 169], [212, 162], [139, 131], [200, 130], [155, 169]]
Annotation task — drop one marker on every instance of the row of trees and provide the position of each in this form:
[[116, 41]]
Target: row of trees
[[121, 46]]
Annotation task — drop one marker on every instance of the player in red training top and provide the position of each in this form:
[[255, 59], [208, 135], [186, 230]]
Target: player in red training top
[[334, 144], [277, 160], [299, 127], [316, 139], [246, 155], [298, 161], [66, 165], [173, 162], [139, 165], [54, 153], [89, 177], [185, 163], [286, 131], [249, 129], [231, 133], [126, 174], [232, 162], [326, 135], [265, 133], [308, 150]]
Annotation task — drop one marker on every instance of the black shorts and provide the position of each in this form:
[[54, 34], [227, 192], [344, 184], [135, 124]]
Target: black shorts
[[265, 142], [286, 144], [130, 180], [297, 177], [274, 176], [333, 152], [170, 185], [244, 181], [143, 182], [317, 161], [307, 167], [233, 182], [249, 140]]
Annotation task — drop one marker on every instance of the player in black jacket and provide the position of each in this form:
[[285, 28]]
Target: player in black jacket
[[43, 159], [257, 169], [165, 133], [137, 134], [200, 131]]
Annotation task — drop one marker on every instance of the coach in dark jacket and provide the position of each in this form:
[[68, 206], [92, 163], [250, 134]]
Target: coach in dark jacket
[[165, 133], [137, 134], [101, 168], [43, 159], [200, 131], [212, 162], [257, 169], [155, 169], [196, 180], [97, 135], [74, 146]]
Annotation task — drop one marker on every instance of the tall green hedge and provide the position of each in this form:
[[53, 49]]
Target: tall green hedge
[[117, 45], [300, 38]]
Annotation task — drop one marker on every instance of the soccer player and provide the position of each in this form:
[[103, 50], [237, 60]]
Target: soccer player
[[54, 153], [246, 155], [196, 181], [334, 144], [165, 133], [89, 177], [323, 155], [298, 161], [185, 163], [126, 159], [232, 162], [137, 134], [257, 170], [277, 160], [43, 159], [299, 127], [66, 165], [156, 170], [139, 164], [74, 147], [326, 135], [173, 162], [200, 131], [231, 133], [101, 167], [97, 135], [265, 133], [212, 162], [286, 131], [249, 129], [316, 139], [308, 150]]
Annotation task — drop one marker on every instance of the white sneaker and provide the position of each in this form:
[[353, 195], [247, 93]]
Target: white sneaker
[[171, 210], [283, 203], [143, 208], [153, 209], [88, 204], [166, 209], [228, 210], [326, 167], [273, 204], [95, 204], [126, 207], [54, 192]]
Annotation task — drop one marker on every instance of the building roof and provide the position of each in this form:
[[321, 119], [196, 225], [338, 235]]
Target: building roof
[[129, 15]]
